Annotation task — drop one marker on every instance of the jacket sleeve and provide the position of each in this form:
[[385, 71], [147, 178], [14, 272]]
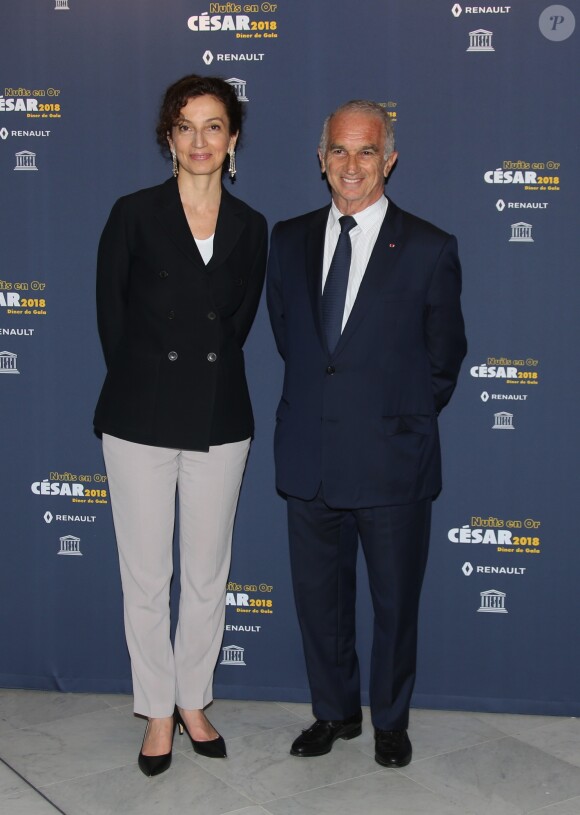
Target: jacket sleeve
[[245, 315], [113, 261], [444, 327], [274, 293]]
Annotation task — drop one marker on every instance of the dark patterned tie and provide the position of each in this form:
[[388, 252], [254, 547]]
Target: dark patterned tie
[[334, 295]]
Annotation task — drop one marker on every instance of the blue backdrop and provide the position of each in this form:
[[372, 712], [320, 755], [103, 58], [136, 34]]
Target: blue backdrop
[[483, 103]]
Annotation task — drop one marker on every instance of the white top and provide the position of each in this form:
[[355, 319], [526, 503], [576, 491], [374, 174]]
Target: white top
[[205, 247], [362, 237]]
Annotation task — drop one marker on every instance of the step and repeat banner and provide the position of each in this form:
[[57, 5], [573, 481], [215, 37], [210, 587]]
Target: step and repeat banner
[[483, 101]]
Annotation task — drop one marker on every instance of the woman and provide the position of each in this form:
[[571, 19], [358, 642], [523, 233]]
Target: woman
[[180, 272]]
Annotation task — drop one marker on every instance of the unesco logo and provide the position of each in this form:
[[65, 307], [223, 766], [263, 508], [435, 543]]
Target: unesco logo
[[233, 655], [8, 363]]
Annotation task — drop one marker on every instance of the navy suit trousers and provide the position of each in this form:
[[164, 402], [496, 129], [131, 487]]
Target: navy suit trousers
[[323, 552]]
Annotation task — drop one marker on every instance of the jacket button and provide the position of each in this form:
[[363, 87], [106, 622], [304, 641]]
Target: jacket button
[[163, 274], [239, 281], [211, 357], [171, 315], [331, 370], [172, 356], [212, 315]]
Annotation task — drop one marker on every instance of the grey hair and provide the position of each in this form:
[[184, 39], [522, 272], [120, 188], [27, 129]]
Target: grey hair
[[361, 106]]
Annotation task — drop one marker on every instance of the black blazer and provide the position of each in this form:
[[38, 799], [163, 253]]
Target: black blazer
[[172, 328], [363, 420]]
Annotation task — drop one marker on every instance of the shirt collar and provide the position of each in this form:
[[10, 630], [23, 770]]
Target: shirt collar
[[366, 218]]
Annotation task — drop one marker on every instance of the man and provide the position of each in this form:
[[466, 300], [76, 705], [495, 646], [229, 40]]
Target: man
[[366, 314]]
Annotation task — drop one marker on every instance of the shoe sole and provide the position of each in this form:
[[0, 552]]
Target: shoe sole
[[394, 764], [350, 734]]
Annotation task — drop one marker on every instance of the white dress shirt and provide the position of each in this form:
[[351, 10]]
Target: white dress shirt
[[362, 237]]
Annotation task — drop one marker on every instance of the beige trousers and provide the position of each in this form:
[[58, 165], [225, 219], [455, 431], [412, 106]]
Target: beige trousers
[[143, 481]]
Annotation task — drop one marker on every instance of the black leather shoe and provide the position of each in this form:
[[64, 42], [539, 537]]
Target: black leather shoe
[[392, 748], [216, 748], [318, 739], [153, 765]]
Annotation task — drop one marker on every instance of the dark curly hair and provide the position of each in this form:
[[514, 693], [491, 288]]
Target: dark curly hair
[[179, 93]]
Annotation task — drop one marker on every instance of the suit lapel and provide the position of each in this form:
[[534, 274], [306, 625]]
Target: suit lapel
[[230, 225], [171, 215], [314, 261], [380, 268]]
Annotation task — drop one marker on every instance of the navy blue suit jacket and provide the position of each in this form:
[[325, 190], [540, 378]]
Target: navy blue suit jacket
[[362, 421]]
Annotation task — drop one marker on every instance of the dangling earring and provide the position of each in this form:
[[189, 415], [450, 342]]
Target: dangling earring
[[175, 164], [232, 169]]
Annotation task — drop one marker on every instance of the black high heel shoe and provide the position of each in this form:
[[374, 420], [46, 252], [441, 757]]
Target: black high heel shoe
[[216, 748], [153, 765]]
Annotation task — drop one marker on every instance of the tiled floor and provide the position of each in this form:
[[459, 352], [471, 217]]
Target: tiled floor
[[76, 754]]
